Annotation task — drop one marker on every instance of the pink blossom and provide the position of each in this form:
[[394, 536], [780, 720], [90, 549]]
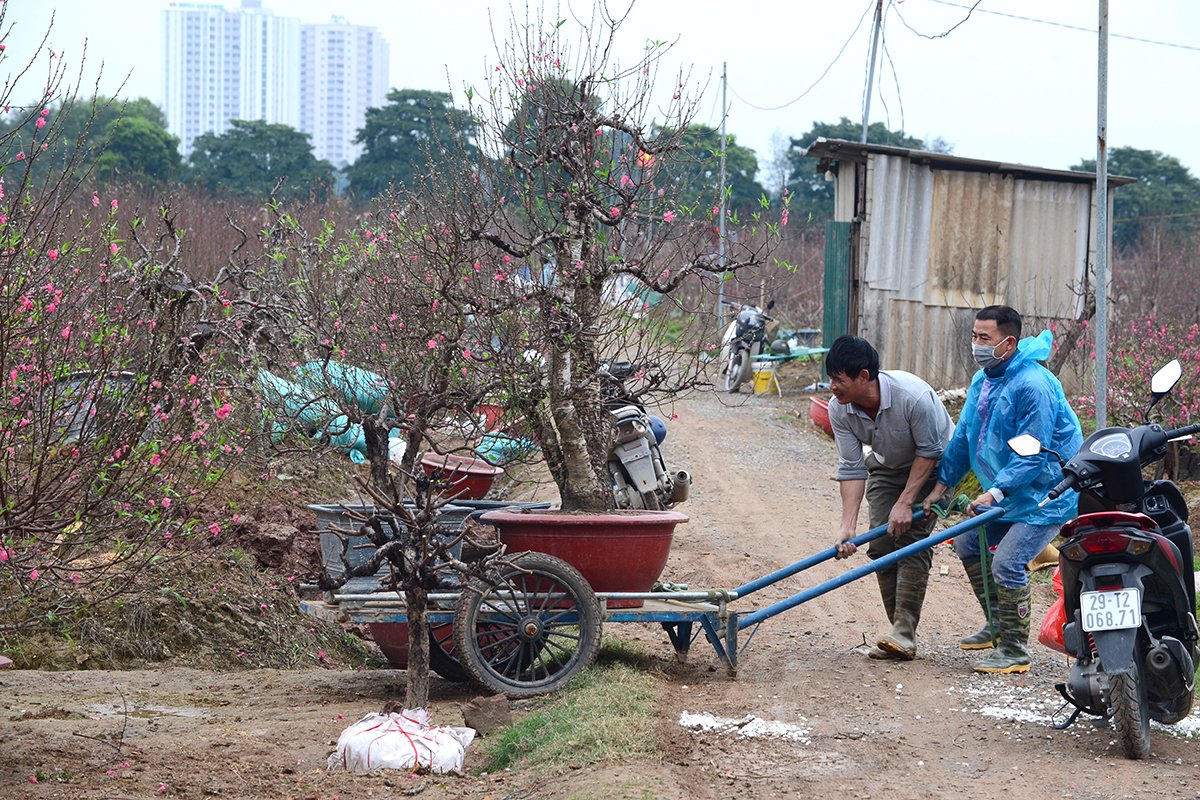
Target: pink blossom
[[75, 578], [21, 156], [432, 344], [112, 248], [5, 554], [223, 411], [66, 332], [95, 200], [466, 354], [783, 219], [214, 529], [155, 460], [53, 254], [166, 503], [41, 122], [192, 381], [669, 216], [114, 203], [616, 212], [33, 575]]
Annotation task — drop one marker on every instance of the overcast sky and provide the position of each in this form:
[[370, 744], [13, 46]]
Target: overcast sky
[[996, 87]]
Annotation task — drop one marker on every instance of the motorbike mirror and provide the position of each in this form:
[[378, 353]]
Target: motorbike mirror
[[1163, 382], [1165, 379], [1025, 445], [770, 304]]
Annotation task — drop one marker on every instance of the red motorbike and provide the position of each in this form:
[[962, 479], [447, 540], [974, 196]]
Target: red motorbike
[[1128, 583]]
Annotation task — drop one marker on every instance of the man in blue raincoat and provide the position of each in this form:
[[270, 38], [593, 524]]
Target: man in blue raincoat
[[1012, 394]]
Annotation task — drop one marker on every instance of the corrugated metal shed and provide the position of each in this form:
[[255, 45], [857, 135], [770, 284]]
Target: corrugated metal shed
[[936, 237]]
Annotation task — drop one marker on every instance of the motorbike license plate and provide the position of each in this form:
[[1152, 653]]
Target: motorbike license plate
[[1112, 610]]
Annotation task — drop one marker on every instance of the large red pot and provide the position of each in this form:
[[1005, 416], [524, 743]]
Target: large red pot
[[818, 412], [616, 551], [470, 478]]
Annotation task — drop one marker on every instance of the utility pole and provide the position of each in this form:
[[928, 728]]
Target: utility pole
[[871, 70], [1102, 222], [721, 185]]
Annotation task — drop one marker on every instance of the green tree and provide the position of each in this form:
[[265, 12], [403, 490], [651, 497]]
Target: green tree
[[1166, 194], [402, 137], [77, 131], [139, 149], [252, 156], [812, 195], [698, 171]]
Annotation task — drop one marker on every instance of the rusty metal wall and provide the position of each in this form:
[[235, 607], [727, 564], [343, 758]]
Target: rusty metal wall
[[936, 245]]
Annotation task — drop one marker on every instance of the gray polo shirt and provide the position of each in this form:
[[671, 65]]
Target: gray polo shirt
[[911, 422]]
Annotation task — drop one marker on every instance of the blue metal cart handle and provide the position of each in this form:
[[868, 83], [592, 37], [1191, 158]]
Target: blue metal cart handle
[[927, 543], [812, 561]]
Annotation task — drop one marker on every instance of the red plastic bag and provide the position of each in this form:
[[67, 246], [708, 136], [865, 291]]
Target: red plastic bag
[[1051, 634]]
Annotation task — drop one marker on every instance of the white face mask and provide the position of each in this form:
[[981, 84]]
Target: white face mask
[[985, 356]]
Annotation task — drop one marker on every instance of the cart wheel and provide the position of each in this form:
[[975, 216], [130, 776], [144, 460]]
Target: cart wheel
[[531, 630], [443, 658]]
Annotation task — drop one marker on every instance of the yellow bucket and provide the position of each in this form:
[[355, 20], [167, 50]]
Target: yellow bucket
[[764, 378]]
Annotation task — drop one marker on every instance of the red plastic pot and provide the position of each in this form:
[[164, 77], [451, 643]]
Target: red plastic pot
[[617, 551], [470, 478], [392, 638], [818, 412]]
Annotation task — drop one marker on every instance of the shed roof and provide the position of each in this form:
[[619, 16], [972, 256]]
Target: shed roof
[[840, 149]]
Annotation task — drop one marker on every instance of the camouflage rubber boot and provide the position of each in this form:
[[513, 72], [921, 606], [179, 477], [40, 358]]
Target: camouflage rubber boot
[[887, 590], [983, 639], [911, 582], [1013, 653]]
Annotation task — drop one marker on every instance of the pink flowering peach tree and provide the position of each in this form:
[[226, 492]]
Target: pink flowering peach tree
[[109, 427], [571, 232]]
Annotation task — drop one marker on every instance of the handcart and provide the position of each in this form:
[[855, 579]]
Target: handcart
[[538, 623]]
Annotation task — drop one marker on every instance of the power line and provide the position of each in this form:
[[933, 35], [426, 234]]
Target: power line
[[943, 34], [895, 77], [1047, 22], [870, 6]]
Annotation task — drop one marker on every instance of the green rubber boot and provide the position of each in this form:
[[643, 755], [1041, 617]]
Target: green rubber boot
[[1013, 653], [982, 640], [887, 591], [911, 581]]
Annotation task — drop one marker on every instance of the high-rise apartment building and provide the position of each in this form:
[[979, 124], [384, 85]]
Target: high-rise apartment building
[[250, 64], [343, 71], [221, 65]]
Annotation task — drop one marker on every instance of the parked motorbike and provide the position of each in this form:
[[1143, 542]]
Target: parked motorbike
[[1128, 583], [745, 338], [640, 478]]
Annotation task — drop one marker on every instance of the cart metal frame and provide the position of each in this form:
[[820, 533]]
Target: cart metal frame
[[679, 612]]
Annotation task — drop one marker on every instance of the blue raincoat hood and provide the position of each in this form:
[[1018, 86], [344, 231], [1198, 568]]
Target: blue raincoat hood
[[1027, 398]]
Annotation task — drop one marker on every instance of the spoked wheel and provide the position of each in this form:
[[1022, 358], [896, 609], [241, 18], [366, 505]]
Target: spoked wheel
[[738, 370], [443, 658], [531, 630], [1130, 711]]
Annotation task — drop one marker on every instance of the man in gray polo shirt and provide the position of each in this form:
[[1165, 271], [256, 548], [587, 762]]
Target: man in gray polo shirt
[[906, 426]]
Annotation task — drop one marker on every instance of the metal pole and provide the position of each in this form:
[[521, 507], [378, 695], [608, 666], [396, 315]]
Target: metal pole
[[811, 561], [871, 70], [930, 541], [721, 186], [1102, 222]]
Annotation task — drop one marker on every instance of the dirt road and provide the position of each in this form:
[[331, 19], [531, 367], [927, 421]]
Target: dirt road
[[763, 497]]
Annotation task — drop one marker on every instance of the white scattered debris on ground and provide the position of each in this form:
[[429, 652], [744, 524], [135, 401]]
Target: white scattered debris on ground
[[1001, 701], [747, 727]]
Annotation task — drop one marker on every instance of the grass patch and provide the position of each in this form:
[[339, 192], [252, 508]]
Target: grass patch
[[605, 715]]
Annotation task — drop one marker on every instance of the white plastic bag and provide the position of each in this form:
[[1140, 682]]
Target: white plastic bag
[[400, 741]]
